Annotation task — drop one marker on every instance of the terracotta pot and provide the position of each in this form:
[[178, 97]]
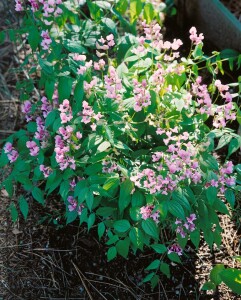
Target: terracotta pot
[[214, 20]]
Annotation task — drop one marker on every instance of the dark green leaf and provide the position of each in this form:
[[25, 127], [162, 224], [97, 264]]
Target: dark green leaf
[[150, 228], [122, 247], [125, 194], [111, 254], [23, 205], [122, 225], [153, 265], [38, 195], [159, 248]]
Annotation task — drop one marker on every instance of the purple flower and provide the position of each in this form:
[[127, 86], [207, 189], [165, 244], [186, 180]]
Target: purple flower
[[175, 248]]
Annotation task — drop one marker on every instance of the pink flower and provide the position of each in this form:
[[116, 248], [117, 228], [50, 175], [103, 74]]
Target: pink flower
[[12, 156], [175, 248], [33, 147], [8, 147]]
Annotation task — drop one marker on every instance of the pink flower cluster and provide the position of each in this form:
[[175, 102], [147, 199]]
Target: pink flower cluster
[[88, 87], [18, 5], [184, 228], [104, 44], [34, 5], [153, 34], [84, 65], [11, 152], [33, 147], [148, 212], [141, 95], [224, 178], [88, 115], [51, 9], [73, 205], [45, 170], [26, 109], [222, 113], [62, 149], [113, 84], [41, 134], [109, 167], [177, 164], [46, 107], [99, 65], [65, 112], [46, 40], [175, 248], [196, 39]]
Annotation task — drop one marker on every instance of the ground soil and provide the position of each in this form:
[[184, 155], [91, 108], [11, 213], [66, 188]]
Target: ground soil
[[40, 260]]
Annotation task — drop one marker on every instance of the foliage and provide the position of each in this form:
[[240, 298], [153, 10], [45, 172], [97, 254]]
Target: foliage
[[120, 131], [230, 276]]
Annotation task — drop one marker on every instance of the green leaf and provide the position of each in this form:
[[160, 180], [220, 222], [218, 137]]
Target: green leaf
[[211, 194], [113, 239], [165, 269], [105, 211], [230, 197], [148, 277], [150, 228], [23, 205], [79, 95], [220, 206], [154, 281], [149, 13], [136, 237], [50, 118], [89, 199], [176, 209], [46, 67], [38, 195], [135, 213], [101, 229], [179, 197], [103, 146], [91, 221], [74, 46], [111, 183], [49, 87], [135, 9], [125, 194], [153, 265], [224, 140], [13, 212], [122, 247], [8, 184], [109, 25], [232, 278], [137, 199], [122, 225], [234, 145], [208, 162], [64, 87], [198, 53], [33, 37], [215, 274], [208, 286], [159, 248], [174, 257], [195, 238], [71, 216], [111, 254]]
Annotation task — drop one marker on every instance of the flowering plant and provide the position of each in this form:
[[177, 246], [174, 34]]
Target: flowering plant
[[120, 131]]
